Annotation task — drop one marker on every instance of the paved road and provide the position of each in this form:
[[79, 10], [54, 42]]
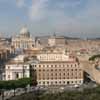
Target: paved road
[[91, 70]]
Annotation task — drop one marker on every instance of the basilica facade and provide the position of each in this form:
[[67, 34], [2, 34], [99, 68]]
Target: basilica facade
[[23, 40]]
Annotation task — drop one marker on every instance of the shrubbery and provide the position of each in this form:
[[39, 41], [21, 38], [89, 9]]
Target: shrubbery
[[86, 94], [14, 84]]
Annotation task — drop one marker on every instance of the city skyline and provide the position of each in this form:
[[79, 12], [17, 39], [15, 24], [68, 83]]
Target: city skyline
[[68, 17]]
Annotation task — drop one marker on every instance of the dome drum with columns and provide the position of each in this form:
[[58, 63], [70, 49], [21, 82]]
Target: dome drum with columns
[[24, 32]]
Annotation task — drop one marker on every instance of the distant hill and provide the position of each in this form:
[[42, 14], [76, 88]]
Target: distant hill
[[94, 38], [72, 38]]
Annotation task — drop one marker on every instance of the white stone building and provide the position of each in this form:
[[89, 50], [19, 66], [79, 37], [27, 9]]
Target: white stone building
[[17, 68]]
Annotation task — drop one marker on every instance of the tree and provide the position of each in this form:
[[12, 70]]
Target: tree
[[14, 84]]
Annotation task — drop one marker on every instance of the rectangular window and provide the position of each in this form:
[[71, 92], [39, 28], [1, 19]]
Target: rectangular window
[[75, 69], [59, 77], [51, 83], [79, 81], [60, 74], [55, 69], [75, 81], [39, 78], [44, 83], [64, 74], [8, 76], [51, 69], [8, 67], [67, 69], [43, 69], [51, 74], [47, 69], [39, 70], [67, 82], [59, 69], [39, 82], [63, 77], [63, 82], [47, 82], [55, 82], [55, 74]]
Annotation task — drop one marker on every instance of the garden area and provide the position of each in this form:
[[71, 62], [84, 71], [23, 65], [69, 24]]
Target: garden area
[[86, 94]]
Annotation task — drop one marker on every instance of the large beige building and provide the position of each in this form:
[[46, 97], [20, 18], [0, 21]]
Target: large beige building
[[6, 50], [23, 41], [58, 69]]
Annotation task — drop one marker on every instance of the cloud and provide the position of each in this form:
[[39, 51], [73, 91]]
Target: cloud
[[20, 3], [37, 10], [73, 16], [85, 20], [68, 3], [40, 8]]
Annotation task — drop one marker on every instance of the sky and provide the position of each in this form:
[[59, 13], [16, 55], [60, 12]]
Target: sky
[[80, 18]]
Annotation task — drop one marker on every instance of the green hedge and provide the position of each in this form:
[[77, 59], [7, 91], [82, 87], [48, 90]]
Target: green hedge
[[86, 94], [13, 84]]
